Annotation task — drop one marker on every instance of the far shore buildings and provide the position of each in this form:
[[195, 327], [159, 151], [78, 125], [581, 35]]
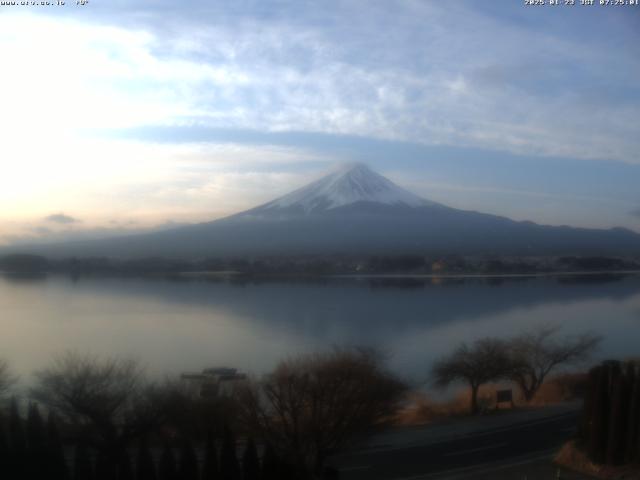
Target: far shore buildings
[[213, 381]]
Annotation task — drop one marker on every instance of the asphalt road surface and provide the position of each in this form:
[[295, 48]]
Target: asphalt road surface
[[505, 446]]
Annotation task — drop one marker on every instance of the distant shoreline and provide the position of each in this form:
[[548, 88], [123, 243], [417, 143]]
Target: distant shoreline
[[493, 275], [382, 276], [387, 267]]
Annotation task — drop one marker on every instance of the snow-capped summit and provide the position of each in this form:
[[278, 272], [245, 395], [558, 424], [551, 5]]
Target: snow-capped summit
[[350, 184]]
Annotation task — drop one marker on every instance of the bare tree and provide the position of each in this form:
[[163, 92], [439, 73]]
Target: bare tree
[[313, 405], [109, 398], [483, 361], [6, 378], [534, 354]]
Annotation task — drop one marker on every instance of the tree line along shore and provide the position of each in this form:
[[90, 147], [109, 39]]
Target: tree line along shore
[[323, 265], [105, 420]]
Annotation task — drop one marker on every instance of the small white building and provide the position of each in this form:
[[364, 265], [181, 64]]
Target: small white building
[[213, 381]]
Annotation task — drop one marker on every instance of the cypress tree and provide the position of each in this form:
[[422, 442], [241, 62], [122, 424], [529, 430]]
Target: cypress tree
[[633, 437], [106, 466], [188, 468], [36, 444], [269, 464], [56, 463], [146, 469], [618, 421], [594, 407], [586, 422], [82, 465], [330, 473], [598, 437], [633, 425], [167, 469], [16, 428], [637, 443], [286, 471], [4, 449], [125, 470], [229, 466], [36, 437], [17, 442], [250, 462], [210, 470]]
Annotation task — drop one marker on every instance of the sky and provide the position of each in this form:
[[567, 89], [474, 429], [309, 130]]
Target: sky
[[120, 116]]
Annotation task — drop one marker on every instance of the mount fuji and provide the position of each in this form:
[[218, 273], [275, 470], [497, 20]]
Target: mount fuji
[[356, 211], [349, 185]]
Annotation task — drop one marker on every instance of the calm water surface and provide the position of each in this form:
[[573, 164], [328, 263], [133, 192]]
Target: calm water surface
[[175, 326]]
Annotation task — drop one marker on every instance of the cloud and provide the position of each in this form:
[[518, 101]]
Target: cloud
[[62, 219], [432, 78], [220, 106], [635, 212]]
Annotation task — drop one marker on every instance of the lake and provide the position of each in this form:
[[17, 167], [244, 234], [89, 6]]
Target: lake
[[189, 324]]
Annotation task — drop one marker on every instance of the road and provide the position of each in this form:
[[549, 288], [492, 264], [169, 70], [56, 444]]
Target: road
[[512, 445]]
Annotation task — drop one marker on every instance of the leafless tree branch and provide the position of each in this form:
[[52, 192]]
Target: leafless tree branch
[[313, 405], [109, 398], [534, 354], [483, 361]]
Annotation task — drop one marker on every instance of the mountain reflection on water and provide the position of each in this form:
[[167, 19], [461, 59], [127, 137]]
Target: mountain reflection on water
[[176, 324]]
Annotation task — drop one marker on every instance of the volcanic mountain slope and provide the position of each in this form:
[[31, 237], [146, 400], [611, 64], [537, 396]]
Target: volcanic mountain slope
[[357, 211]]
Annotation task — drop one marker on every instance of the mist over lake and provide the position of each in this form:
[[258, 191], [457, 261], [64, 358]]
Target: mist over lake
[[183, 325]]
